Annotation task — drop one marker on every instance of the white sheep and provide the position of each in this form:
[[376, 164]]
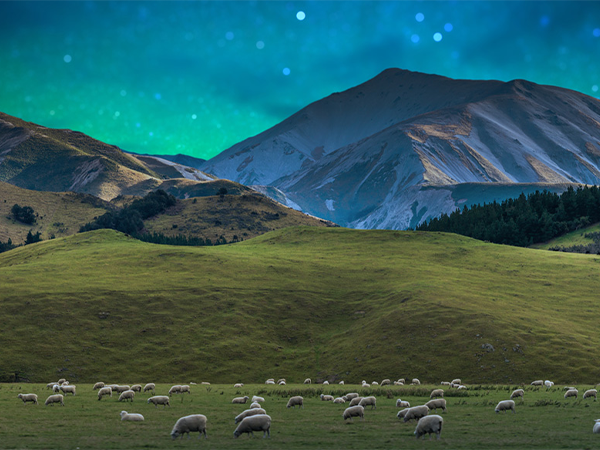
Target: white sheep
[[365, 385], [259, 422], [369, 401], [205, 383], [385, 382], [281, 382], [456, 381], [187, 424], [136, 388], [517, 393], [355, 401], [98, 385], [160, 400], [436, 403], [131, 417], [415, 381], [106, 390], [341, 382], [28, 398], [339, 400], [590, 393], [62, 380], [308, 381], [68, 389], [351, 395], [121, 388], [398, 383], [270, 382], [127, 395], [537, 383], [56, 388], [374, 383], [445, 383], [150, 387], [256, 398], [325, 382], [64, 383], [238, 385], [51, 384], [596, 429], [248, 413], [184, 388], [402, 404], [436, 393], [429, 424], [571, 393], [462, 386], [354, 411], [240, 399], [401, 380], [175, 390], [255, 405], [416, 412], [295, 401], [548, 383], [56, 398], [505, 405], [326, 398]]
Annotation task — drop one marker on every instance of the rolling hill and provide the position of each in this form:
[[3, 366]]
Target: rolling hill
[[328, 303]]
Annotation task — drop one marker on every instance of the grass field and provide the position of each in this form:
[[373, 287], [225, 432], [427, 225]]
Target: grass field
[[543, 420], [568, 240]]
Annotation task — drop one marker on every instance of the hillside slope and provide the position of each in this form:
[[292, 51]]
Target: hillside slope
[[318, 302]]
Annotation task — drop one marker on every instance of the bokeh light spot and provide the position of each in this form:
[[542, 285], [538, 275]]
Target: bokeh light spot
[[596, 32], [286, 71], [300, 15], [415, 38], [123, 92], [117, 113], [67, 58], [157, 96], [595, 88], [544, 21], [437, 37], [260, 45], [194, 116], [229, 35], [420, 17], [448, 27]]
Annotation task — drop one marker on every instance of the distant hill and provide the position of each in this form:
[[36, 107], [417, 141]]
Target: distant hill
[[390, 152], [327, 303]]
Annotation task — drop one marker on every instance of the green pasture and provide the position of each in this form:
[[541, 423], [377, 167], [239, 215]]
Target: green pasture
[[576, 237], [543, 420]]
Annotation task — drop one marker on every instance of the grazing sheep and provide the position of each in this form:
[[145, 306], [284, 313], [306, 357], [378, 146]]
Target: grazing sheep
[[374, 383], [98, 385], [398, 383], [68, 389], [121, 388], [50, 385], [456, 381], [62, 380], [56, 388], [436, 403], [436, 393], [184, 388], [150, 387], [240, 399], [271, 379], [206, 383], [341, 382], [136, 388], [385, 382], [260, 422], [57, 398], [415, 381], [343, 397], [194, 422], [308, 381], [280, 380], [462, 386], [537, 383], [369, 401], [401, 380], [590, 393], [270, 382], [351, 395], [127, 395], [295, 401], [548, 383], [596, 429], [281, 383], [571, 393], [256, 398], [339, 400], [445, 383], [325, 382], [248, 413], [355, 401], [131, 417], [107, 390], [416, 412], [326, 398], [175, 390], [517, 393], [160, 400], [255, 405], [402, 404], [365, 385], [354, 411], [28, 398], [505, 405], [238, 385], [430, 424]]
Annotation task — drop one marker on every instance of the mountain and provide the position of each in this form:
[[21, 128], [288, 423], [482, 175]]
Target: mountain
[[396, 149]]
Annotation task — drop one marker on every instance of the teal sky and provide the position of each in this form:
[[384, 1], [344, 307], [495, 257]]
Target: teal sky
[[197, 77]]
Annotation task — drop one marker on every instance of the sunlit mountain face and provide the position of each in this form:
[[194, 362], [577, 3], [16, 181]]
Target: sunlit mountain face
[[198, 77]]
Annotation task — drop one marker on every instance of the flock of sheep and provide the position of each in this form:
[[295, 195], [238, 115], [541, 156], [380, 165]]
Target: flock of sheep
[[256, 419]]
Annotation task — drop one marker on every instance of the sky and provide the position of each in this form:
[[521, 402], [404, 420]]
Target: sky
[[197, 77]]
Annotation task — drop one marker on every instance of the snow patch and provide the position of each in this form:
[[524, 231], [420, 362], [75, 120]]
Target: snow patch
[[329, 203]]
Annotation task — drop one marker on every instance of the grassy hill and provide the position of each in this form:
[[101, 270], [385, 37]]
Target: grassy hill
[[576, 237], [319, 302]]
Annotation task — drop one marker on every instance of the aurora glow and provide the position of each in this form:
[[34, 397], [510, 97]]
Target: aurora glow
[[197, 77]]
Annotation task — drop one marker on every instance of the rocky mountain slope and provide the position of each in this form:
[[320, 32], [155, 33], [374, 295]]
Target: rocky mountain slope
[[393, 151]]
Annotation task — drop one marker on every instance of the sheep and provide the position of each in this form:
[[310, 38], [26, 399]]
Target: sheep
[[121, 388], [548, 383], [517, 393], [62, 380], [240, 399], [339, 400], [57, 398], [149, 387], [430, 424], [136, 388], [68, 389], [255, 405], [354, 411], [281, 381], [308, 381], [326, 398], [131, 417], [401, 380], [374, 383], [205, 383], [238, 385], [369, 401], [50, 385], [416, 412], [260, 422], [248, 413], [28, 398], [127, 395], [365, 385], [385, 382], [351, 395], [596, 429], [571, 393], [295, 401], [325, 382], [341, 382], [107, 390], [436, 393], [437, 403], [568, 388], [160, 400], [415, 381], [355, 401], [456, 381], [402, 404], [184, 388], [175, 390], [186, 424], [269, 382], [256, 398], [398, 383], [590, 393], [343, 397], [445, 383], [56, 388], [462, 386], [98, 385], [505, 405], [537, 383]]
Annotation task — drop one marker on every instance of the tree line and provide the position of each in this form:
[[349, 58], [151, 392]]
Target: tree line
[[526, 220]]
